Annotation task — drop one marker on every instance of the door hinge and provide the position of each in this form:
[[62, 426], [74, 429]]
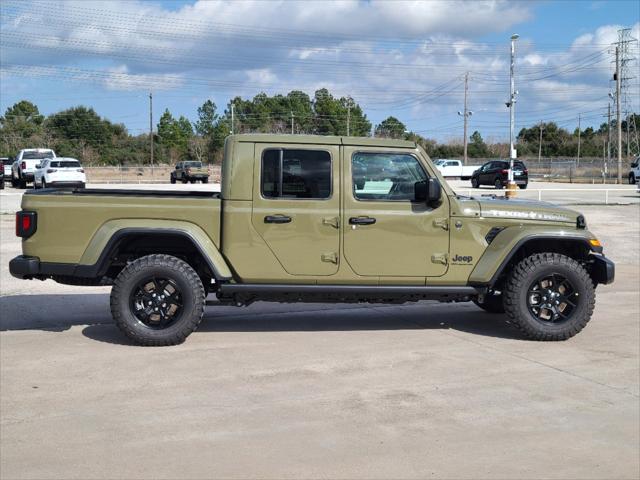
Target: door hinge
[[333, 221], [442, 258], [442, 223], [331, 257]]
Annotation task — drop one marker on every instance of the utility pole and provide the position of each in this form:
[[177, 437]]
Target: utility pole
[[618, 124], [151, 127], [348, 116], [466, 114], [232, 117], [291, 122], [606, 166], [578, 139], [511, 186], [540, 144]]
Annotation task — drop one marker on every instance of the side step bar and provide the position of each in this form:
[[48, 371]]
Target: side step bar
[[366, 290]]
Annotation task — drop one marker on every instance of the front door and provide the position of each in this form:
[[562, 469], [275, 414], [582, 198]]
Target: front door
[[296, 206], [386, 232]]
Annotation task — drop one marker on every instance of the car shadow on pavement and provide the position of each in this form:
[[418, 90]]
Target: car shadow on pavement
[[57, 313]]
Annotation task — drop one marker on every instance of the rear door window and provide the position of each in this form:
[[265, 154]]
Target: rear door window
[[292, 173]]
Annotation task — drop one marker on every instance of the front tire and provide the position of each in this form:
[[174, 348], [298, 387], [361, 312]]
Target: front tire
[[498, 184], [474, 183], [157, 300], [172, 179], [549, 297], [22, 183]]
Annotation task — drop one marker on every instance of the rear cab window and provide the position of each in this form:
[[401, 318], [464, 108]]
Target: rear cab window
[[296, 173]]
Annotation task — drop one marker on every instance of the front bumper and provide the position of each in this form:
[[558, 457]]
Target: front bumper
[[603, 270]]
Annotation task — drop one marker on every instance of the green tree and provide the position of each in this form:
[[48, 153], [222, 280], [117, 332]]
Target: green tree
[[20, 123], [477, 148], [174, 136], [391, 127], [207, 118]]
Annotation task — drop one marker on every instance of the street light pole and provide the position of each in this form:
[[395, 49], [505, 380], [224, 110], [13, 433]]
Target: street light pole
[[511, 186]]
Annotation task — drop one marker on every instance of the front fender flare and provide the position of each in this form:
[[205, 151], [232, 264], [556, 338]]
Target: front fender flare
[[501, 250]]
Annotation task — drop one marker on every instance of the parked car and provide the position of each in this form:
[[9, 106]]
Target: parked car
[[316, 219], [1, 178], [6, 166], [24, 168], [634, 173], [59, 172], [496, 173], [190, 171], [455, 169]]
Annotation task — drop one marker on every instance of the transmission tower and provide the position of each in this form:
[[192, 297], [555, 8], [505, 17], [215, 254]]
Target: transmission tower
[[626, 47]]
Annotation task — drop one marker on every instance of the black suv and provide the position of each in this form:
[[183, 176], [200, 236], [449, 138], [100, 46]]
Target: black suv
[[496, 173]]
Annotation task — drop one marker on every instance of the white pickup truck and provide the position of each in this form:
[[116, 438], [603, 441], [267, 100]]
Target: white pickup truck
[[454, 169], [634, 173], [24, 168]]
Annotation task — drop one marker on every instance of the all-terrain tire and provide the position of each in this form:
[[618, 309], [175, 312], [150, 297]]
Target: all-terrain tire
[[192, 298], [205, 180], [492, 303], [172, 179], [525, 274], [22, 183]]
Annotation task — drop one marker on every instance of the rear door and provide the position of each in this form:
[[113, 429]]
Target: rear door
[[296, 206]]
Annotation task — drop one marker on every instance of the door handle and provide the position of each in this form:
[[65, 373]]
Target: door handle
[[277, 219], [362, 221]]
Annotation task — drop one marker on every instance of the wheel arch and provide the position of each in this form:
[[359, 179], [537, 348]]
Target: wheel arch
[[503, 253], [111, 246]]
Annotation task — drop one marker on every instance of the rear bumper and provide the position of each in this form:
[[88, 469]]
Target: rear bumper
[[24, 267], [604, 270], [66, 184]]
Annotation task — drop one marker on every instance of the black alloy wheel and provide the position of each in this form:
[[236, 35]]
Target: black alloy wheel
[[552, 298], [156, 302]]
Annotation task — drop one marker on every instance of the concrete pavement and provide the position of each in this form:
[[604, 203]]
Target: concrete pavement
[[320, 391]]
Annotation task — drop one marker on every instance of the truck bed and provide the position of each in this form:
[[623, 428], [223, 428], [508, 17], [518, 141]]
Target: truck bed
[[124, 192]]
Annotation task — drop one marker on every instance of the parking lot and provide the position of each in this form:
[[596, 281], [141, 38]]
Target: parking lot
[[358, 391]]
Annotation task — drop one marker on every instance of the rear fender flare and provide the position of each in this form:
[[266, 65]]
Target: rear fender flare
[[95, 260]]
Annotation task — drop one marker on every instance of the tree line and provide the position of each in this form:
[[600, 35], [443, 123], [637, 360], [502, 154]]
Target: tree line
[[81, 133]]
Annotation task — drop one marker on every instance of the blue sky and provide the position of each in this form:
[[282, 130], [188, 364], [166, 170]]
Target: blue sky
[[405, 59]]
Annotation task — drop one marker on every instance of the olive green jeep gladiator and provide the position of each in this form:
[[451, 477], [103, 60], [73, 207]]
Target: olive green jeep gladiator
[[314, 219]]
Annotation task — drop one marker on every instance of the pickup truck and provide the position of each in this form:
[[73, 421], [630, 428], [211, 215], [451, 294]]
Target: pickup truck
[[190, 171], [455, 169], [314, 219], [634, 172], [24, 168]]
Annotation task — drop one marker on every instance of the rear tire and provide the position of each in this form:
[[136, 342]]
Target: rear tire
[[205, 180], [523, 187], [165, 313], [498, 183], [569, 290], [14, 182], [632, 179], [22, 183]]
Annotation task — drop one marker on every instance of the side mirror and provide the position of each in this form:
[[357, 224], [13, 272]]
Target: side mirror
[[428, 191], [39, 166]]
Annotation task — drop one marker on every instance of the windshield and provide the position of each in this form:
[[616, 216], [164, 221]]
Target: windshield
[[193, 164], [37, 155], [65, 164]]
